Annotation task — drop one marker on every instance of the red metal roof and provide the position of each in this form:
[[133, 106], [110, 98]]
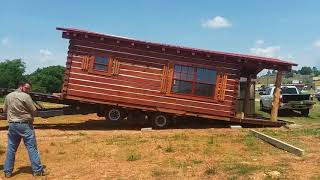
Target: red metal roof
[[248, 57]]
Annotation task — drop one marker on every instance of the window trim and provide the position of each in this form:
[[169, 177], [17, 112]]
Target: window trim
[[191, 96], [107, 72]]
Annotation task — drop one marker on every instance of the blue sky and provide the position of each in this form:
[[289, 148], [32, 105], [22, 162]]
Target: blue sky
[[286, 29]]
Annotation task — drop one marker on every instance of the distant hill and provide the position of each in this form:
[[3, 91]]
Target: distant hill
[[270, 79]]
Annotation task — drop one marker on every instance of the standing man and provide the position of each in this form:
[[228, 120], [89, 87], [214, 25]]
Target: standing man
[[20, 114]]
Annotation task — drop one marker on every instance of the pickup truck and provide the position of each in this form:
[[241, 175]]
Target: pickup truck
[[317, 95], [290, 99]]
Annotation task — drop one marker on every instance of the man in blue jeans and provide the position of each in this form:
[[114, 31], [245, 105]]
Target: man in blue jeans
[[20, 115]]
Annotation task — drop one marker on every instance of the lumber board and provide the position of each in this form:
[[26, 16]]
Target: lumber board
[[278, 143]]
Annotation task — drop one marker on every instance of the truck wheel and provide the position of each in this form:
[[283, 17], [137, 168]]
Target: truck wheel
[[114, 114], [305, 112], [160, 121]]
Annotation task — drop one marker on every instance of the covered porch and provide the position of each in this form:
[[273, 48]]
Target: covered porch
[[246, 99]]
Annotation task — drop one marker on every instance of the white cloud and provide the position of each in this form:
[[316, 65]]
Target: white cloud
[[259, 42], [317, 43], [45, 54], [217, 23], [270, 51], [5, 41]]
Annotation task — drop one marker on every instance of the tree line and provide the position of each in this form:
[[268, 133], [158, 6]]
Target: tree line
[[46, 80], [305, 70]]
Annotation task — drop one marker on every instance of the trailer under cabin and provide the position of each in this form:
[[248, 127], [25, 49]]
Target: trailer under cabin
[[122, 77]]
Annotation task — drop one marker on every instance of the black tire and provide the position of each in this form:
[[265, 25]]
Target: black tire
[[305, 112], [114, 114], [160, 121], [318, 98]]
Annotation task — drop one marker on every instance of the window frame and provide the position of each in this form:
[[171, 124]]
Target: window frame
[[93, 62], [194, 82]]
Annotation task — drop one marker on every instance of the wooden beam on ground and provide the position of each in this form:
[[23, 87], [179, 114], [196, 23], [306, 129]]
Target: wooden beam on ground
[[279, 144], [276, 97]]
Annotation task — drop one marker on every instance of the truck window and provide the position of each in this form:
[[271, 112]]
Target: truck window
[[285, 90], [268, 91]]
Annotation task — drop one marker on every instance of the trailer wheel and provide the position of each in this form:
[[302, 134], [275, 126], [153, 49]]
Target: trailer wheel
[[160, 121], [305, 112], [114, 114]]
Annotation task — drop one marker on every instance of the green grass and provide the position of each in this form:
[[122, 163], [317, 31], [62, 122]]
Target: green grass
[[123, 140], [169, 148], [133, 156], [241, 169], [315, 132], [211, 140], [211, 170], [161, 172], [195, 161]]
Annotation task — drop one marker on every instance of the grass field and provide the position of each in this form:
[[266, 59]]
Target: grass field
[[87, 147]]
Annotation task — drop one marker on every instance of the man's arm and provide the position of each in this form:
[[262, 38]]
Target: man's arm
[[30, 105]]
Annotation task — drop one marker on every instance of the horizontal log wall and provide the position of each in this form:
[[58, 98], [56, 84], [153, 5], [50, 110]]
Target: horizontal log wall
[[139, 79]]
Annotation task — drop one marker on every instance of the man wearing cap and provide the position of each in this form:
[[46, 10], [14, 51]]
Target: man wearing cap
[[20, 115]]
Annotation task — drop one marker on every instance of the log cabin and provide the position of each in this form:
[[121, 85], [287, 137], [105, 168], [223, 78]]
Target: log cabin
[[124, 77]]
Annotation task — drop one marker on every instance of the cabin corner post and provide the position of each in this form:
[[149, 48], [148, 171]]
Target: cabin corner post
[[276, 97], [247, 96]]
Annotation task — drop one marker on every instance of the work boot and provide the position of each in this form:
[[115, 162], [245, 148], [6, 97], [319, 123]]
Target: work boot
[[7, 175], [41, 173]]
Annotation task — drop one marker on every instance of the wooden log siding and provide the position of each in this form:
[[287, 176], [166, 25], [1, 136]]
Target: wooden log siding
[[143, 78], [133, 82]]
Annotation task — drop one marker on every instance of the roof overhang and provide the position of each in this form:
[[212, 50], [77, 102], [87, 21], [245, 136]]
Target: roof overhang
[[251, 62]]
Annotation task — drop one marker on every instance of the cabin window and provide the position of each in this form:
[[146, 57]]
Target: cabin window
[[195, 81], [101, 63]]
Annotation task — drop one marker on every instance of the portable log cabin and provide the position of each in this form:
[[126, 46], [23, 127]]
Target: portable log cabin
[[122, 76]]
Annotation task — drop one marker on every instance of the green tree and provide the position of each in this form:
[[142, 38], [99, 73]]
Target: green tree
[[289, 74], [47, 80], [11, 73], [315, 71], [305, 70]]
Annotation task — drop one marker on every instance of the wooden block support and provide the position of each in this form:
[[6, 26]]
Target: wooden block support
[[279, 144]]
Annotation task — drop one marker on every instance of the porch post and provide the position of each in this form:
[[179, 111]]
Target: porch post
[[246, 104], [276, 97]]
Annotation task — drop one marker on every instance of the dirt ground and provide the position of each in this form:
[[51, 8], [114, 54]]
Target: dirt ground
[[88, 147]]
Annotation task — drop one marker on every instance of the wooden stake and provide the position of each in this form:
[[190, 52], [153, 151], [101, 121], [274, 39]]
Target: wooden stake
[[276, 97]]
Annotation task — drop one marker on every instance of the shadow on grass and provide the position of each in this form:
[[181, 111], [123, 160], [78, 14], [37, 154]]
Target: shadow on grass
[[23, 170], [91, 124], [287, 113]]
